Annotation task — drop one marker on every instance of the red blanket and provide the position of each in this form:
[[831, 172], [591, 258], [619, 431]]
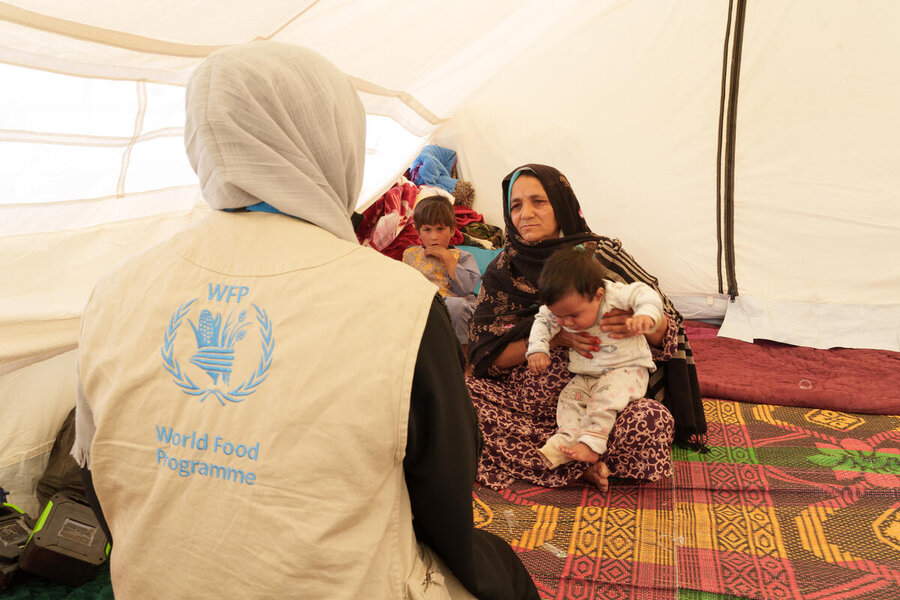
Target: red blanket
[[388, 226], [848, 380]]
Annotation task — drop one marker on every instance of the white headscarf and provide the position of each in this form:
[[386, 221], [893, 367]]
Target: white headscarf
[[276, 123]]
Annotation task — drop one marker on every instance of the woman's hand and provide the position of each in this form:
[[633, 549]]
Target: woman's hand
[[615, 322], [581, 342]]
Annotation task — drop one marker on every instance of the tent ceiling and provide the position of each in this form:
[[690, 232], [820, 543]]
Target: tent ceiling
[[413, 64], [432, 51]]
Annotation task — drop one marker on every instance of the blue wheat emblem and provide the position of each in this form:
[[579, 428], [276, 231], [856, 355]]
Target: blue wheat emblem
[[215, 344], [215, 354]]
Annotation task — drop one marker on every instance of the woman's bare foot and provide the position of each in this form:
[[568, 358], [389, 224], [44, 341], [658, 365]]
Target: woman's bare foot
[[580, 451], [598, 474]]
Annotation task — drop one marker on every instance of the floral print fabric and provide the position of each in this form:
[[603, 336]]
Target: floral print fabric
[[518, 414]]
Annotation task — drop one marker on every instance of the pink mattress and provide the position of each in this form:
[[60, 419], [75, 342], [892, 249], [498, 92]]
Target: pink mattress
[[848, 380]]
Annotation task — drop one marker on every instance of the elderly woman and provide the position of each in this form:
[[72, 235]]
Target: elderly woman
[[517, 408]]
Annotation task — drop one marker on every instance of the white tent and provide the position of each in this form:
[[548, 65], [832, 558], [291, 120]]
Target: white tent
[[738, 149]]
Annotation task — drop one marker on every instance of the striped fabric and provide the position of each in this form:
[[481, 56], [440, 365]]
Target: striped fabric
[[674, 383]]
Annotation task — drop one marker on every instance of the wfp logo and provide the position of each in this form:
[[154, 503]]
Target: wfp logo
[[218, 337], [215, 350]]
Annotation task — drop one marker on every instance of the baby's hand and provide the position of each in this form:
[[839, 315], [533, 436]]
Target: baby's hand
[[538, 363], [639, 324]]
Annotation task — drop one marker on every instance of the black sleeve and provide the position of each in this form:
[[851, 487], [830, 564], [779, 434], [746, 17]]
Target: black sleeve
[[90, 495], [441, 456]]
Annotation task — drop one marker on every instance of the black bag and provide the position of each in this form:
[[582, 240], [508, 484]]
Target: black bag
[[62, 473]]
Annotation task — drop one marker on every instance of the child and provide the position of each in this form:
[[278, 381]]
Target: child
[[575, 295], [454, 271]]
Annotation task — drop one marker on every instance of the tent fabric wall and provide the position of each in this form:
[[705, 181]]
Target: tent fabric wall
[[34, 401], [40, 315], [52, 217], [628, 108], [817, 184]]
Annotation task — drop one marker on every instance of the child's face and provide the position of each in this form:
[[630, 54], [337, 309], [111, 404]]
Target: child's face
[[574, 311], [435, 235]]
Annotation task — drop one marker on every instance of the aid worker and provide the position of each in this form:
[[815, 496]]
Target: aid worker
[[267, 409]]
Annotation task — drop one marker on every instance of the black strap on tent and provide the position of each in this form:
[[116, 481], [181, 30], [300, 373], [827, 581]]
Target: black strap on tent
[[737, 10], [719, 148]]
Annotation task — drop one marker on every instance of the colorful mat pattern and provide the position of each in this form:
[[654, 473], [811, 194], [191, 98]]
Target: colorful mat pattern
[[789, 503]]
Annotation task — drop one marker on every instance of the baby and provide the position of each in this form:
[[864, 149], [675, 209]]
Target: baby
[[575, 295], [454, 271]]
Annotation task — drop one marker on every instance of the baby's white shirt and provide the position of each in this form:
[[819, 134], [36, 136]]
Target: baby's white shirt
[[613, 353]]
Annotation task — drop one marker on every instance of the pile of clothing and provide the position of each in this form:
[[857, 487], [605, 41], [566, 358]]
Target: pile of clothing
[[387, 224]]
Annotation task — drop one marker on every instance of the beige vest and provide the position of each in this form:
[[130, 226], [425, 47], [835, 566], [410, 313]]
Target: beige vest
[[250, 384]]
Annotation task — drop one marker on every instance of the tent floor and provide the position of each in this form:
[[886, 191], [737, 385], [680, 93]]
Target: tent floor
[[789, 503]]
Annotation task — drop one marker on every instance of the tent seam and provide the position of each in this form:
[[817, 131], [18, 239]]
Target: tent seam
[[730, 150], [138, 126], [719, 146], [77, 139]]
